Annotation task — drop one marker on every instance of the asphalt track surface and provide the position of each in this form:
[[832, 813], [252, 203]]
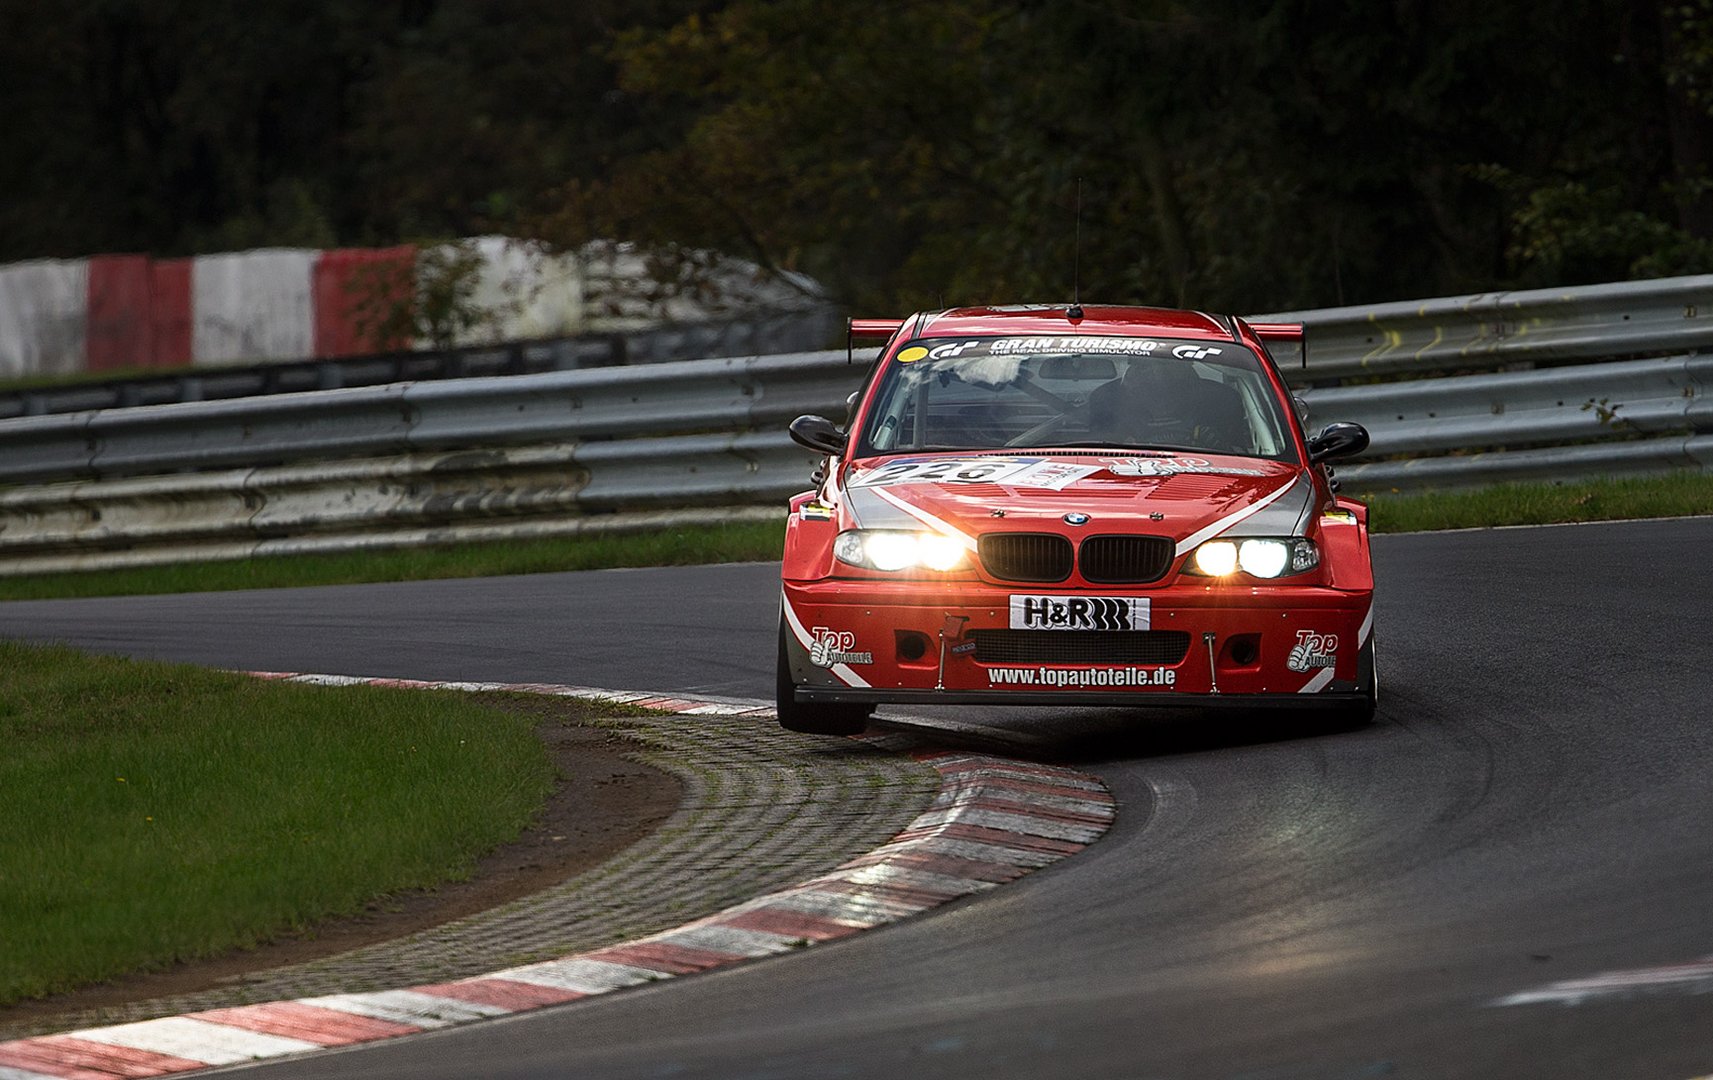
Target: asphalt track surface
[[1532, 805]]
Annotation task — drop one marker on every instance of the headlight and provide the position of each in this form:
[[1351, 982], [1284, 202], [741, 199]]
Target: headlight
[[886, 549], [1216, 558], [1262, 557]]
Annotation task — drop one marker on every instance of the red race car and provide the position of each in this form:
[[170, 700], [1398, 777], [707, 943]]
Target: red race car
[[1074, 506]]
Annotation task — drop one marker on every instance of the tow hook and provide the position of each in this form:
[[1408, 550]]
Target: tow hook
[[1212, 669]]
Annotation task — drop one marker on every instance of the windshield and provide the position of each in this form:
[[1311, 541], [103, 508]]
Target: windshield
[[1118, 392]]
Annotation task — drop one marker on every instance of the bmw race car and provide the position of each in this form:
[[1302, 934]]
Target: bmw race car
[[1066, 506]]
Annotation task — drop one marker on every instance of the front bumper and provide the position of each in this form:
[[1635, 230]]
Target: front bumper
[[917, 642]]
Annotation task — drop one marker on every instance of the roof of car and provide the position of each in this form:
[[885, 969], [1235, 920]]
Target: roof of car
[[1055, 319]]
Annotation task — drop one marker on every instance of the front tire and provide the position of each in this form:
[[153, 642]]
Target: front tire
[[812, 719]]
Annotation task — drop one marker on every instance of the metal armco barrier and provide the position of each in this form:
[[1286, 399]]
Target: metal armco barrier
[[512, 493], [1563, 404], [1489, 330], [608, 449], [733, 395], [632, 447], [1623, 417]]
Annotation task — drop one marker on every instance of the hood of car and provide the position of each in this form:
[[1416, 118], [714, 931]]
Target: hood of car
[[1188, 497]]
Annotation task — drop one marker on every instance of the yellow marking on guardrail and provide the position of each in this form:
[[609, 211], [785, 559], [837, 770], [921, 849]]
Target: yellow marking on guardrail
[[1438, 336], [1394, 340]]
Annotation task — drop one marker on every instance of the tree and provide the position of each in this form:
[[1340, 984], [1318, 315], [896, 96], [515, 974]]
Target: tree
[[173, 127], [1237, 156], [1231, 154]]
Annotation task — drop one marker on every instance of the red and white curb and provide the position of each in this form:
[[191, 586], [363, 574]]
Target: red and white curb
[[992, 821]]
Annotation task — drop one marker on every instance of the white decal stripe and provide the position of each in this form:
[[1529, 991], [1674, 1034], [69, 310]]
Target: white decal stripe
[[843, 671], [1367, 627], [944, 527], [1189, 542], [1316, 684]]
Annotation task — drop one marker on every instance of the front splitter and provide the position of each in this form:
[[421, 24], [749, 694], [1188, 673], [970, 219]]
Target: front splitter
[[869, 695]]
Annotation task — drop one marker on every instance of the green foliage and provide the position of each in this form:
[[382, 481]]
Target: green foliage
[[1237, 155], [1688, 64], [431, 299], [1563, 231], [177, 128], [1233, 155]]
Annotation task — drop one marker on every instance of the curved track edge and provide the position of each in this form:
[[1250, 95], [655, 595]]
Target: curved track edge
[[993, 820]]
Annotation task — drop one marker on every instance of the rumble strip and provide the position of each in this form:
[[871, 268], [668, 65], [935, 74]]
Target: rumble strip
[[993, 821]]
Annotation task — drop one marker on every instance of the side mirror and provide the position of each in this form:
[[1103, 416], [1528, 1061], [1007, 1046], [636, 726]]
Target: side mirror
[[817, 433], [1336, 441]]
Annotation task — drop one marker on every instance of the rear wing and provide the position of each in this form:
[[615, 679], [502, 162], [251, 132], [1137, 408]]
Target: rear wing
[[1288, 334], [867, 330]]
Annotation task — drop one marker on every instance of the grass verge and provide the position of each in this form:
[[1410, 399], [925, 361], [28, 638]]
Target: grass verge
[[736, 542], [1677, 494], [152, 813]]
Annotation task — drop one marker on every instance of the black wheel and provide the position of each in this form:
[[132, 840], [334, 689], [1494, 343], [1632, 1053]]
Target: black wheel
[[807, 718]]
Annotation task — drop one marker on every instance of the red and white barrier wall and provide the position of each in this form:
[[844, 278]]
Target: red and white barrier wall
[[114, 312]]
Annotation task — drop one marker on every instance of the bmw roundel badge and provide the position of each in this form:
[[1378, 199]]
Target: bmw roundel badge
[[1076, 517]]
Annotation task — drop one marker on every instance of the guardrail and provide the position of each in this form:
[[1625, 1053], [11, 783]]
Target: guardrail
[[728, 395], [606, 449], [618, 447], [1491, 330], [511, 493], [1621, 417]]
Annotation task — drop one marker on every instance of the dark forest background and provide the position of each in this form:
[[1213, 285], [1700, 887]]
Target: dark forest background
[[1241, 156]]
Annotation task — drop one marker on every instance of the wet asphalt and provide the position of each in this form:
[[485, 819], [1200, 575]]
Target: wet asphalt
[[1533, 805]]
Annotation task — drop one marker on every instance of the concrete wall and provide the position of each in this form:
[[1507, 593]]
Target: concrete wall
[[124, 312]]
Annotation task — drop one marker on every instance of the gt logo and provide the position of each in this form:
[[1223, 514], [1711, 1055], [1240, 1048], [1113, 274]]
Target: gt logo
[[1194, 352], [1079, 613], [942, 352], [1313, 650]]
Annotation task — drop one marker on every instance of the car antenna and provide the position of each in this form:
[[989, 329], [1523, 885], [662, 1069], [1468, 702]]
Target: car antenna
[[1075, 311]]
